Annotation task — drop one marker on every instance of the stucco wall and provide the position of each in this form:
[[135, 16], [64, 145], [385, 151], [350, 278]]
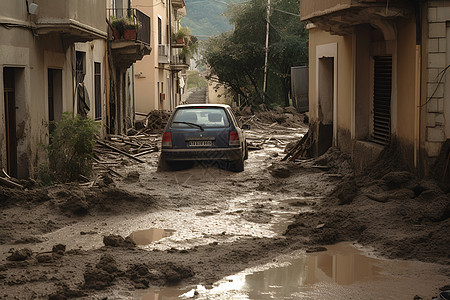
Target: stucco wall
[[344, 75], [148, 75], [406, 56], [31, 56]]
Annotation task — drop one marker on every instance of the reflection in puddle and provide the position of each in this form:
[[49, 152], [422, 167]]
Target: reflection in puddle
[[341, 265], [146, 237]]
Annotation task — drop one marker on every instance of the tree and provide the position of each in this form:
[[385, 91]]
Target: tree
[[236, 58]]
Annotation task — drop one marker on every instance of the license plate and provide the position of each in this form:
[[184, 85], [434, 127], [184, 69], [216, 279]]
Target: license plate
[[200, 143]]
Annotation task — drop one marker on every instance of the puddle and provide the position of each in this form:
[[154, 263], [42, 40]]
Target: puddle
[[342, 272], [146, 237], [341, 265]]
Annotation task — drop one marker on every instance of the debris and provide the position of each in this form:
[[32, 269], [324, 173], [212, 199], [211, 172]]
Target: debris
[[10, 183], [118, 241], [120, 151], [20, 255]]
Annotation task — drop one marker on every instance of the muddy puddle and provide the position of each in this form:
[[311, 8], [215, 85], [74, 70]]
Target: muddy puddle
[[148, 236], [341, 272]]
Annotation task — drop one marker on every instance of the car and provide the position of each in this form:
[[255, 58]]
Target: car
[[203, 132]]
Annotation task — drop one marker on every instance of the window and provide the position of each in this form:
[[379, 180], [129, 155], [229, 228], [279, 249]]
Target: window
[[80, 67], [159, 31], [98, 90], [382, 86]]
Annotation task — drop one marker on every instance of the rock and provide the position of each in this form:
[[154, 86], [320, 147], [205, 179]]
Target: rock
[[20, 255], [44, 258], [175, 273], [118, 241], [97, 279], [132, 177], [59, 249]]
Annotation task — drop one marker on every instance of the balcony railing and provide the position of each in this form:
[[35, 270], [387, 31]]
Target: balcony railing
[[130, 24]]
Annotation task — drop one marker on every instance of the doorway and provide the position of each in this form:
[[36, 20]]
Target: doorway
[[325, 104], [54, 97], [10, 120]]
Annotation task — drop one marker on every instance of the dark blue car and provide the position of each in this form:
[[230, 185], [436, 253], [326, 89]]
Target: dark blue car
[[204, 132]]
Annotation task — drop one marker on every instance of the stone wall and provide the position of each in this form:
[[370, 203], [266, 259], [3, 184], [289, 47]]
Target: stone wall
[[436, 45]]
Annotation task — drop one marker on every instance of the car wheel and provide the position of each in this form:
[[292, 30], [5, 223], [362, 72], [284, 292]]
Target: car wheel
[[163, 165], [237, 165]]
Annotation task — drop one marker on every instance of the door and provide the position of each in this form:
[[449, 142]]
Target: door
[[54, 97], [10, 121]]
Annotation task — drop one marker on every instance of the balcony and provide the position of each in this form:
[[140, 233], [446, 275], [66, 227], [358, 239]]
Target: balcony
[[130, 35], [77, 21], [179, 63], [340, 16], [178, 4], [163, 54]]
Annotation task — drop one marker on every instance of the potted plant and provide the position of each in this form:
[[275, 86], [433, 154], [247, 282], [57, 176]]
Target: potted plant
[[118, 26], [130, 29], [180, 36]]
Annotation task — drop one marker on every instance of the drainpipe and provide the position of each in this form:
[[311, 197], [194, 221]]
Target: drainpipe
[[418, 82]]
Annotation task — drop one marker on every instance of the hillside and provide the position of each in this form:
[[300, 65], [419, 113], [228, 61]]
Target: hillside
[[207, 17]]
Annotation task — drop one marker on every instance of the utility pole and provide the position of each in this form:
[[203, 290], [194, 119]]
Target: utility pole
[[267, 50]]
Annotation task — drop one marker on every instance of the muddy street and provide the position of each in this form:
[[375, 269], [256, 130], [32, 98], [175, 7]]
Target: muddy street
[[307, 229]]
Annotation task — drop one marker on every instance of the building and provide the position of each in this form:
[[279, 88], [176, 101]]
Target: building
[[378, 73], [160, 77], [130, 32], [62, 56], [49, 50]]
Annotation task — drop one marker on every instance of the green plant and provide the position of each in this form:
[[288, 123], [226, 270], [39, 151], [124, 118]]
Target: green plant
[[182, 33], [118, 24], [71, 148]]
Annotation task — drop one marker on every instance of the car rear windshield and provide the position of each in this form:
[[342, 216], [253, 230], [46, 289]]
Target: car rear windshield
[[204, 116]]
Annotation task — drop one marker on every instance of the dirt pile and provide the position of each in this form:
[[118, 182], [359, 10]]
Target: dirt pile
[[156, 120], [396, 213], [285, 116]]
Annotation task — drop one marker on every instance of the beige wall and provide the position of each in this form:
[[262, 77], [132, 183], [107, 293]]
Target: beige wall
[[32, 56], [87, 13], [344, 79], [406, 79], [148, 72], [217, 96]]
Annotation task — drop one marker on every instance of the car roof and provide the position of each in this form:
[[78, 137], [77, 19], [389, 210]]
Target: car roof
[[203, 105]]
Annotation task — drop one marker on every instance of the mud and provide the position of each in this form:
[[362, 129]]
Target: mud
[[76, 242]]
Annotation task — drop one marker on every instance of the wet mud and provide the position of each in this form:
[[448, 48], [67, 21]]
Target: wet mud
[[202, 224]]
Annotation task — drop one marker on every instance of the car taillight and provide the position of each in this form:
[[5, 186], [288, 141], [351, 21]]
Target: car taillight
[[167, 139], [234, 139]]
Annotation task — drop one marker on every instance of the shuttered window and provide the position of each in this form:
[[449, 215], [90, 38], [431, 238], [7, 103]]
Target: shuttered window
[[382, 87]]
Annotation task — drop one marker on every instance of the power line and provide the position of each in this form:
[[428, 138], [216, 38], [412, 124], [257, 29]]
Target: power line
[[286, 12]]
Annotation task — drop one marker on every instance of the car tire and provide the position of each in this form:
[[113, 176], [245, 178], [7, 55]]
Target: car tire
[[163, 165], [237, 165]]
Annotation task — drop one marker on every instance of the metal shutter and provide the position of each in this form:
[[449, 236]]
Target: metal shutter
[[382, 99]]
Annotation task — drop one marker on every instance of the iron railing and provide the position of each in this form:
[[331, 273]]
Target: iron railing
[[121, 19]]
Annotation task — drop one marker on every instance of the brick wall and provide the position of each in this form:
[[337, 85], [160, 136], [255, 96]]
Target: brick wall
[[438, 16]]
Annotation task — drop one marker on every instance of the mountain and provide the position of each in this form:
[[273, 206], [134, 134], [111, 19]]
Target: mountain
[[206, 17]]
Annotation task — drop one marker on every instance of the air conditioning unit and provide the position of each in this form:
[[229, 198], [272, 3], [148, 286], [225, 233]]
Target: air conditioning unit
[[163, 54]]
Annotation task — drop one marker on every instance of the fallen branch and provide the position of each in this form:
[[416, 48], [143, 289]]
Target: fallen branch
[[120, 151], [9, 183]]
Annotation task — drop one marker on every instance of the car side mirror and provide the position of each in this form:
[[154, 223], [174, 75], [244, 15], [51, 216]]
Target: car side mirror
[[245, 127]]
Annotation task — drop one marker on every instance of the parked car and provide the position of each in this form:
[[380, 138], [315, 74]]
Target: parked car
[[204, 132]]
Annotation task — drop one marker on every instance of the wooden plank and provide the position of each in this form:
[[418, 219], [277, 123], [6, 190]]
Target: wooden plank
[[120, 151]]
